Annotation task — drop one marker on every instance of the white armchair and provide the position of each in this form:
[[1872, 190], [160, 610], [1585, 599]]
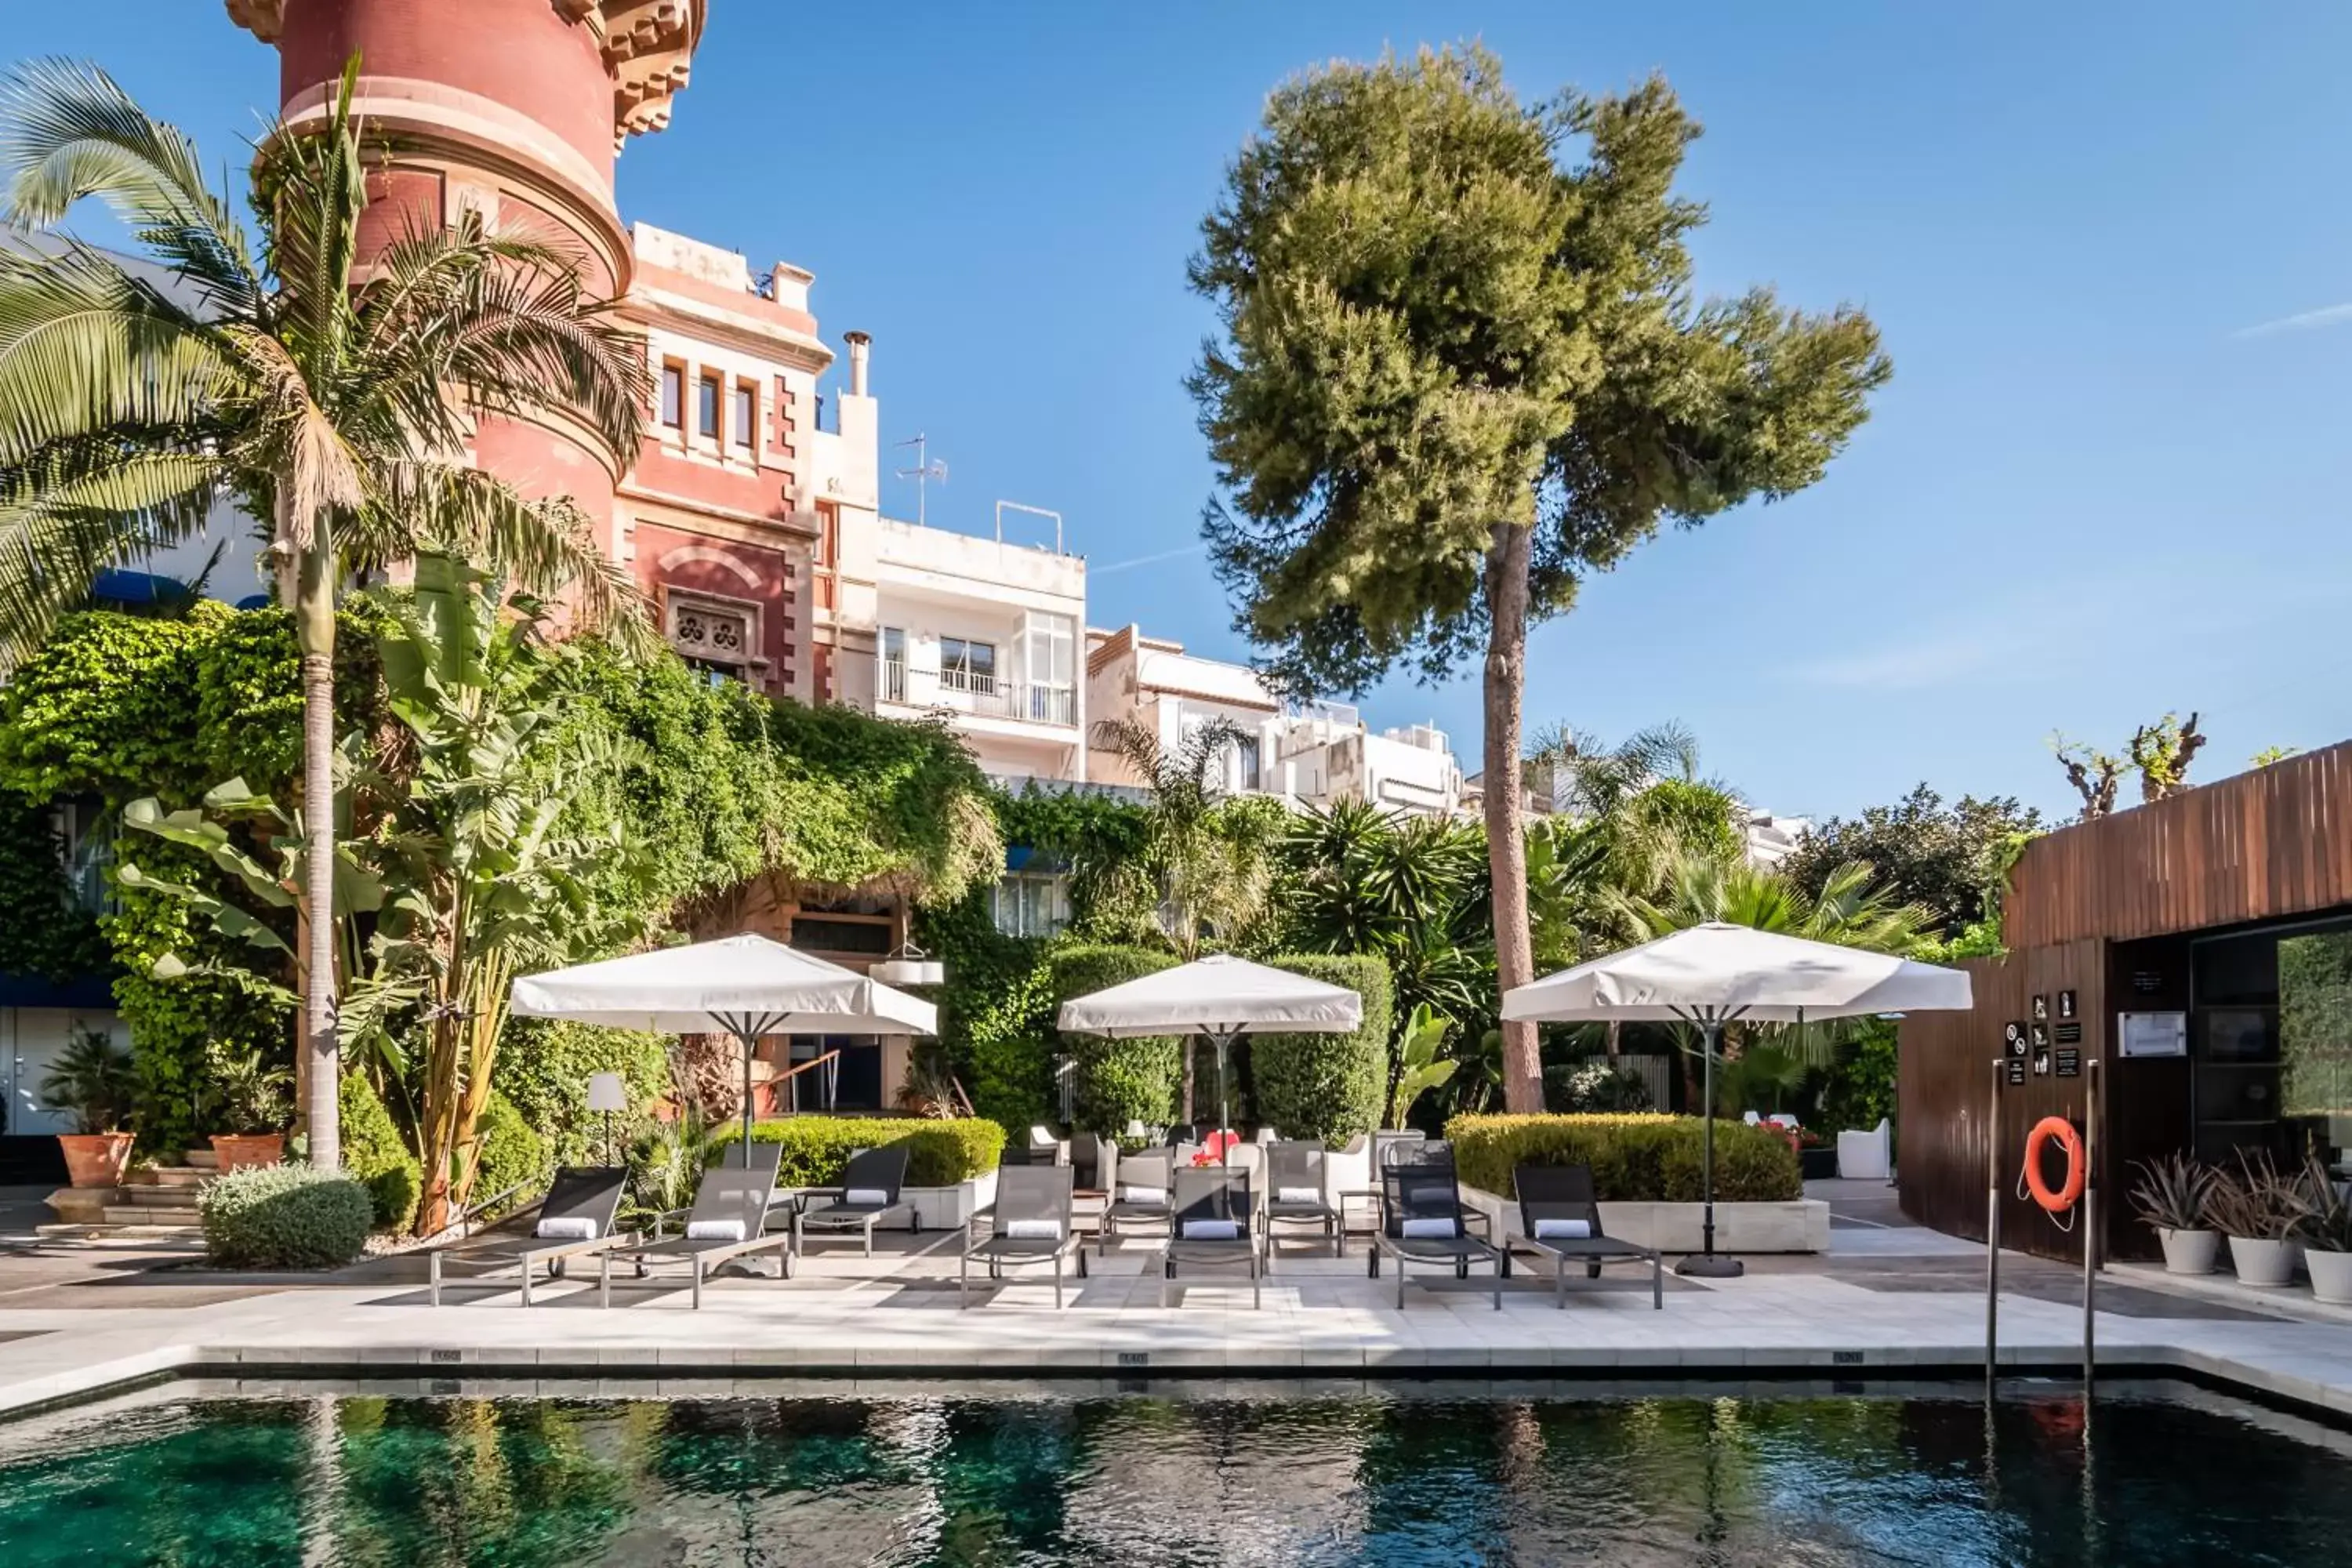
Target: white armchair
[[1867, 1156]]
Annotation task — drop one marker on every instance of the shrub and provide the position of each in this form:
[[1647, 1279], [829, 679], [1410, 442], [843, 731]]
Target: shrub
[[1595, 1087], [376, 1157], [512, 1155], [285, 1216], [940, 1153], [1326, 1086], [1117, 1081], [1634, 1158], [543, 1069], [1010, 1040]]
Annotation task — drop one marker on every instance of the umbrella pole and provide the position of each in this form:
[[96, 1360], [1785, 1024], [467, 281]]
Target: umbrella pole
[[1224, 1043], [749, 1044], [1708, 1266]]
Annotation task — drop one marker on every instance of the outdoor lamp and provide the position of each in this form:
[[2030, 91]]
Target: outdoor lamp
[[608, 1094], [908, 966]]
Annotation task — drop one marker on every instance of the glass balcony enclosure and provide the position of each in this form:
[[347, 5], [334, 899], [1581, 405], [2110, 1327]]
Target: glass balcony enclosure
[[1027, 671]]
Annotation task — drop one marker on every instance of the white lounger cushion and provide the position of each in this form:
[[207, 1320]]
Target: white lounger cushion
[[1142, 1194], [567, 1227], [1298, 1194], [1212, 1230], [864, 1196], [714, 1230], [1429, 1229], [1033, 1230], [1563, 1230]]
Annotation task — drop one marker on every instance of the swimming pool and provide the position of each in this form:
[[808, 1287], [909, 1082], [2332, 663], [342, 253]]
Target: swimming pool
[[1226, 1474]]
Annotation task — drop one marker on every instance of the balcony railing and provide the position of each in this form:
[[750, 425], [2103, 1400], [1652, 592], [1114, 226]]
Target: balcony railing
[[894, 680], [1048, 704], [978, 692], [979, 682]]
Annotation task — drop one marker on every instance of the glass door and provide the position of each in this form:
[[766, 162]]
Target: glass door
[[1051, 652]]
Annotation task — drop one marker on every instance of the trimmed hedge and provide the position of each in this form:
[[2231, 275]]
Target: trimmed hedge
[[285, 1216], [376, 1157], [939, 1152], [1117, 1081], [1010, 1039], [1330, 1086], [1634, 1158], [543, 1069], [512, 1155]]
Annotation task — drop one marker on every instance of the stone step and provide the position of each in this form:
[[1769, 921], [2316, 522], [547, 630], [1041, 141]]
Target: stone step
[[172, 1176], [125, 1235], [151, 1196], [202, 1160], [145, 1215]]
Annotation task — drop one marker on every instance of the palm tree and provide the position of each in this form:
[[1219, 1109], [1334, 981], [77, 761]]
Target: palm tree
[[335, 401], [1209, 880]]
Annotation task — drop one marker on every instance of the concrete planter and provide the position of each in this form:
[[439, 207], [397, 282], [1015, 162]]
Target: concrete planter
[[1800, 1225], [2262, 1262], [950, 1208], [2188, 1251], [2331, 1276]]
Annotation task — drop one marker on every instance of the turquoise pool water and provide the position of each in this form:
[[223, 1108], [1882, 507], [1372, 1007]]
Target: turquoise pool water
[[1401, 1476]]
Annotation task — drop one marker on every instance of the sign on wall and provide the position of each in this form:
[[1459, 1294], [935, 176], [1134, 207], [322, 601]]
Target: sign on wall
[[2152, 1033]]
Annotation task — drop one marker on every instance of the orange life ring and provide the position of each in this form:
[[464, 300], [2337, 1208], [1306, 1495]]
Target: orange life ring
[[2061, 1129]]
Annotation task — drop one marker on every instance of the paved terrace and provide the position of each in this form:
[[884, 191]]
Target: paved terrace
[[1887, 1301]]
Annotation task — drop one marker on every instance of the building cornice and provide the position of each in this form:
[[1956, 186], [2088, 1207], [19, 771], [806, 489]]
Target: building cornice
[[657, 306]]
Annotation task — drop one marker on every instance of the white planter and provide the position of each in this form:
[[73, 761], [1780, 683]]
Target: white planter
[[1800, 1225], [2266, 1264], [949, 1208], [2331, 1276], [2190, 1251]]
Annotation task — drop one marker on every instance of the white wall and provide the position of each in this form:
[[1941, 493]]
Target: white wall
[[31, 1039]]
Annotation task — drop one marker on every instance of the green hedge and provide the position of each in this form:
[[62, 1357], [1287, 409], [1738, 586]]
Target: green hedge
[[1117, 1081], [543, 1069], [1634, 1158], [285, 1216], [1009, 1040], [939, 1152], [376, 1157], [1329, 1087], [512, 1156]]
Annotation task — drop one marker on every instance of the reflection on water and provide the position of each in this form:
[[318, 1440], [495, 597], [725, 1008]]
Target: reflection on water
[[1400, 1476]]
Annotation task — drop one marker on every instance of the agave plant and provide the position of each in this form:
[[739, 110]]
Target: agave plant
[[2175, 1193], [2327, 1218], [2257, 1202]]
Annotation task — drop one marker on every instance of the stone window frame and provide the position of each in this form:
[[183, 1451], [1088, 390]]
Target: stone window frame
[[748, 613]]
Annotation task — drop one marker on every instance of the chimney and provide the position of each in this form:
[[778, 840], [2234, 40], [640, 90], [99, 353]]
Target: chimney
[[857, 343]]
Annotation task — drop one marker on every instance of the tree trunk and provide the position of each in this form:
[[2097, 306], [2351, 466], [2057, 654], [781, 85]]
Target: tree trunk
[[1188, 1072], [314, 630], [1506, 852]]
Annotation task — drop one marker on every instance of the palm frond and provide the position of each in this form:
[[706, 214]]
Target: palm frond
[[75, 512]]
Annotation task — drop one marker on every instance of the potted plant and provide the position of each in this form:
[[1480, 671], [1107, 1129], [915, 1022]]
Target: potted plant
[[250, 1099], [2174, 1197], [2326, 1235], [2260, 1212], [93, 1082]]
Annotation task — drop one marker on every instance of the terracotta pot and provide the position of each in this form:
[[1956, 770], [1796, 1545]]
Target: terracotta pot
[[95, 1159], [2188, 1251], [2263, 1262], [236, 1151]]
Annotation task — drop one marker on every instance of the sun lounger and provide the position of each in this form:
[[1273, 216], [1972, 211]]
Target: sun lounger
[[1030, 1223], [1212, 1223], [1139, 1197], [728, 1223], [575, 1219], [1295, 1191], [1423, 1221], [871, 1184], [1561, 1221]]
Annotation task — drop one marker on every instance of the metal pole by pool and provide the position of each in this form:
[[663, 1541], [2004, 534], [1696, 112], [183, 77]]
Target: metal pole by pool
[[2090, 1234], [1708, 1266], [1992, 1223]]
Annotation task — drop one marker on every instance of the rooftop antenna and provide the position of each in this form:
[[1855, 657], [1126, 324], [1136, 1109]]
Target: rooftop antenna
[[922, 473]]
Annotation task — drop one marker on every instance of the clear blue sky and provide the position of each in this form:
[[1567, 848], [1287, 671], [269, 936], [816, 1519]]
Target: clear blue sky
[[2109, 477]]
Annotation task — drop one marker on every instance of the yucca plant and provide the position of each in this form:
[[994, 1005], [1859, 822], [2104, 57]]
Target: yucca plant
[[336, 401], [2258, 1202], [2175, 1193], [2327, 1216]]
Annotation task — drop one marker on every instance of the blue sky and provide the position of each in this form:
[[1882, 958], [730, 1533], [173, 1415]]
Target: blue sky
[[2108, 246]]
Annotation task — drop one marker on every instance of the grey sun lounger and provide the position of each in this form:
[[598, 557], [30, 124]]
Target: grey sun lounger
[[728, 1223], [582, 1197], [1030, 1223], [1423, 1221], [1212, 1223], [1560, 1199], [871, 1190], [1293, 1192], [1139, 1197]]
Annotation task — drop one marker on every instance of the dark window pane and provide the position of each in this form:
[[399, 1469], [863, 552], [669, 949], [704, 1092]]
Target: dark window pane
[[710, 405]]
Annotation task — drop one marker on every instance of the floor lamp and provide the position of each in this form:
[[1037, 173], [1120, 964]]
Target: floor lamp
[[608, 1094]]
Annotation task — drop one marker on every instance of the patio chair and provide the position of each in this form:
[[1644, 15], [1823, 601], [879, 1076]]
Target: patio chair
[[728, 1223], [1029, 1223], [1424, 1221], [1295, 1191], [574, 1220], [871, 1185], [1044, 1149], [1139, 1197], [1212, 1223], [1560, 1219]]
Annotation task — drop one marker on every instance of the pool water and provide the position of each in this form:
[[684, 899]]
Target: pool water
[[1395, 1476]]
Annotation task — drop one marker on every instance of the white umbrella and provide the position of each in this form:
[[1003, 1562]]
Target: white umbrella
[[746, 987], [1221, 996], [1716, 974]]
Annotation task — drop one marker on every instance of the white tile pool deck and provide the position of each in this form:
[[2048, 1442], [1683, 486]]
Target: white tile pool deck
[[1882, 1303]]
